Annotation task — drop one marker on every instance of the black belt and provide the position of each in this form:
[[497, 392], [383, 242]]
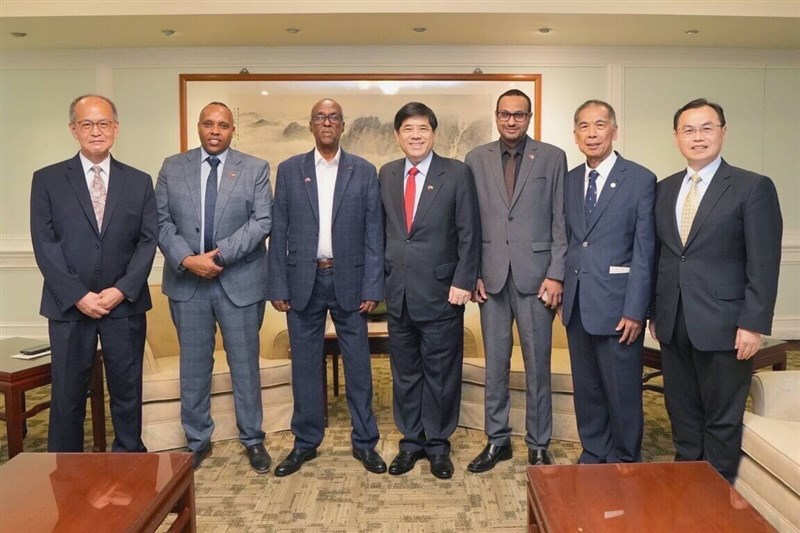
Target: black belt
[[324, 264]]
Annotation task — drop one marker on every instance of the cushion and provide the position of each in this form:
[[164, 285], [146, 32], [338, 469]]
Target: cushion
[[773, 444]]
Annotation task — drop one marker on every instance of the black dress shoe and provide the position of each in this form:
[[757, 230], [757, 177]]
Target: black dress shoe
[[405, 461], [490, 456], [441, 466], [294, 461], [199, 455], [260, 461], [538, 457], [370, 459]]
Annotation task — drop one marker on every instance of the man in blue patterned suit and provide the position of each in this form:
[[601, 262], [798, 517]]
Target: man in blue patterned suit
[[326, 254]]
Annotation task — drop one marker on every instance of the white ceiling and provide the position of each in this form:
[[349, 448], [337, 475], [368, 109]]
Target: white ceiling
[[133, 24]]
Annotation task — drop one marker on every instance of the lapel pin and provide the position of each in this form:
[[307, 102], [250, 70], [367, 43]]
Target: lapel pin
[[429, 187], [531, 156], [612, 184], [232, 174], [307, 180]]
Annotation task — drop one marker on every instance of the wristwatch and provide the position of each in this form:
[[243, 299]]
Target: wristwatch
[[218, 260]]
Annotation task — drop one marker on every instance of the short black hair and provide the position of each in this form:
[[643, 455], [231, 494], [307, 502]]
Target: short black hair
[[695, 104], [612, 116], [513, 92], [220, 104], [415, 109]]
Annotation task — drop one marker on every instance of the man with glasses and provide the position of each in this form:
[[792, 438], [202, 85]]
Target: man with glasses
[[326, 255], [214, 215], [719, 246], [521, 196], [94, 227]]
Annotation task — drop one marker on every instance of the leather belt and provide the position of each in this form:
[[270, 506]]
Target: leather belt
[[324, 264]]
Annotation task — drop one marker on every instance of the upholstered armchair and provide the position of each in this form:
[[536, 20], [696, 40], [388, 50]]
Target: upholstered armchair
[[769, 472], [161, 415]]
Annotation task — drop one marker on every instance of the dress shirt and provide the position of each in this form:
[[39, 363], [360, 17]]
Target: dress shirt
[[88, 173], [603, 171], [706, 174], [419, 181], [326, 183], [205, 169]]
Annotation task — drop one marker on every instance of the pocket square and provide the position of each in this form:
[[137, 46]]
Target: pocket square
[[619, 270], [307, 180]]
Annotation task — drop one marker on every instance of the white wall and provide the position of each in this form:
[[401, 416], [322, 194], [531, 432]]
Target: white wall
[[757, 88]]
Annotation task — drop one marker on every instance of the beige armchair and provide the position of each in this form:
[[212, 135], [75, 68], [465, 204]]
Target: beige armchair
[[769, 472], [565, 426], [161, 410]]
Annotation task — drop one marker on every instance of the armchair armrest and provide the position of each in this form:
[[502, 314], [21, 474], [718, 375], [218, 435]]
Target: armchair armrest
[[150, 365], [776, 394]]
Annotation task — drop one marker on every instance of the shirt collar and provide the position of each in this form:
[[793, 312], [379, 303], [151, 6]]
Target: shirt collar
[[423, 165], [319, 160], [604, 168], [105, 164], [221, 156], [519, 147], [707, 172]]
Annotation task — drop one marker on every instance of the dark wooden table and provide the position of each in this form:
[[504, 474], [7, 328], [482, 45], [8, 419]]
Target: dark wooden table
[[78, 492], [18, 376], [675, 497]]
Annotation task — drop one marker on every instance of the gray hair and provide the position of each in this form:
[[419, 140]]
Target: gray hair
[[78, 99]]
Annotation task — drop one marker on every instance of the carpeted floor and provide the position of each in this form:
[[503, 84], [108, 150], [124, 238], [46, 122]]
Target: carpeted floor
[[333, 493]]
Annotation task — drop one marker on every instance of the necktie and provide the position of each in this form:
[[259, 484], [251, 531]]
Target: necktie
[[411, 195], [509, 174], [211, 204], [591, 195], [689, 208], [98, 193]]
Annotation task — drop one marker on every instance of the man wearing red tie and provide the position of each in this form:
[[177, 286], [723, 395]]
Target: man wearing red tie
[[432, 257]]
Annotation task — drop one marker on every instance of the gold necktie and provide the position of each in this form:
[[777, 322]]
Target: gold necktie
[[689, 208], [98, 193]]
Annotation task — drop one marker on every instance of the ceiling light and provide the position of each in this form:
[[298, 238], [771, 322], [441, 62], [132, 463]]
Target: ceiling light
[[692, 32], [18, 34], [292, 30], [420, 29], [544, 30], [167, 33], [265, 93]]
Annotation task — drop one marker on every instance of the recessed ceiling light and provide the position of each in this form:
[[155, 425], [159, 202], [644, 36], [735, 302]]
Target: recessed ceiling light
[[545, 30], [265, 93], [18, 34], [292, 30], [420, 29], [692, 32], [167, 33]]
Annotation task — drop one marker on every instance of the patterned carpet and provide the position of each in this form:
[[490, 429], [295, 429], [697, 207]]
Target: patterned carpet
[[334, 494]]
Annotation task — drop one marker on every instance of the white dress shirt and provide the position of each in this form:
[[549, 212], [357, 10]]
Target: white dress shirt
[[419, 180], [706, 174], [603, 171], [88, 173], [205, 169], [326, 184]]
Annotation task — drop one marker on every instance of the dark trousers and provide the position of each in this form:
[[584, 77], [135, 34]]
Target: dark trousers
[[607, 380], [306, 337], [705, 394], [74, 345], [426, 359]]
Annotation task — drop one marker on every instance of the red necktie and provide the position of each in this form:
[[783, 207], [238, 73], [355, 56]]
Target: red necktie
[[411, 194]]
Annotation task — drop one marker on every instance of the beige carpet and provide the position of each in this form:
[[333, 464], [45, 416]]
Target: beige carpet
[[333, 493]]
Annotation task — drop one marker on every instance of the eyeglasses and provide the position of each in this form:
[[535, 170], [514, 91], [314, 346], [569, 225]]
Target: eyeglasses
[[505, 116], [707, 130], [333, 118], [104, 125]]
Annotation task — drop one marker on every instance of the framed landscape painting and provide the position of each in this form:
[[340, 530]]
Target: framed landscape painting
[[272, 111]]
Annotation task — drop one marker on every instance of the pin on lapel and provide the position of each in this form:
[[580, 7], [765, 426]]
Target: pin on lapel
[[231, 174], [307, 180], [429, 187], [531, 157], [613, 184]]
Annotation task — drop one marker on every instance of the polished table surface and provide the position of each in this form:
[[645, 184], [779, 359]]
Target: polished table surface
[[91, 492], [653, 497], [12, 346]]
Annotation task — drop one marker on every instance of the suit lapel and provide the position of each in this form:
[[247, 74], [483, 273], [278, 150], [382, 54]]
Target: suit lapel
[[613, 182], [525, 169], [719, 184], [431, 187], [396, 190], [227, 181], [343, 174], [310, 183], [574, 196], [497, 170], [77, 179], [116, 184], [191, 167]]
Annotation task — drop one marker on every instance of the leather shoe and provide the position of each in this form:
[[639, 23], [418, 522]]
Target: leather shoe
[[441, 466], [199, 455], [538, 457], [370, 459], [260, 461], [405, 461], [294, 461], [490, 456]]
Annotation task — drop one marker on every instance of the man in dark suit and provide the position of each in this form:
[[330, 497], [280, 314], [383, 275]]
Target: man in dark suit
[[93, 227], [432, 257], [520, 191], [719, 234], [326, 254], [214, 215], [607, 287]]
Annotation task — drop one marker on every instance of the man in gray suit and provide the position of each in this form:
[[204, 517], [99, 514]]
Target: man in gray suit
[[520, 192], [719, 234], [326, 254], [214, 214], [607, 287]]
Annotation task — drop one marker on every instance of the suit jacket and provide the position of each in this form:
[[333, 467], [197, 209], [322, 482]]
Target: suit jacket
[[74, 257], [443, 247], [613, 255], [242, 222], [356, 232], [528, 235], [727, 274]]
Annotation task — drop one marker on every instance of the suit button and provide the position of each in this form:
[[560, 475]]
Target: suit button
[[585, 244], [683, 259], [677, 285], [96, 246], [510, 218], [197, 230], [97, 271], [576, 271]]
